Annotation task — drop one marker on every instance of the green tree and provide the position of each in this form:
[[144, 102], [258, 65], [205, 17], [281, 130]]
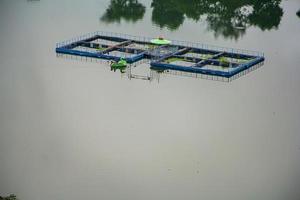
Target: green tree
[[11, 197], [129, 10], [229, 18], [166, 14], [266, 14]]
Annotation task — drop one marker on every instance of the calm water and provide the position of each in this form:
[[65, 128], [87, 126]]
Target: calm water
[[75, 130]]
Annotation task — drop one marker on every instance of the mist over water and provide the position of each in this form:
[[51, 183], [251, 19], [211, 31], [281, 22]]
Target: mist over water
[[71, 129]]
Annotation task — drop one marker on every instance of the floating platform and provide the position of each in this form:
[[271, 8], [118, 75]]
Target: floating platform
[[177, 56]]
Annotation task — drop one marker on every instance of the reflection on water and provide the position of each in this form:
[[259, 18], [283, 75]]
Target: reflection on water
[[227, 18], [10, 197], [141, 70], [231, 18], [129, 10]]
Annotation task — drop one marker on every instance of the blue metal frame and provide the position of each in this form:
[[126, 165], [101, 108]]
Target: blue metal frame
[[158, 62]]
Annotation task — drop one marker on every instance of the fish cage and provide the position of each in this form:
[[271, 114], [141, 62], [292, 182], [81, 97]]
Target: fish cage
[[180, 56]]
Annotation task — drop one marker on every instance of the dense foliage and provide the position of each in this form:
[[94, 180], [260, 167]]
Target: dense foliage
[[229, 18], [129, 10], [11, 197]]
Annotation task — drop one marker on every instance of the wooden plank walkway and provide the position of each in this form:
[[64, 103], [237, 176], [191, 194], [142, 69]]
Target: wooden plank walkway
[[115, 46], [202, 62]]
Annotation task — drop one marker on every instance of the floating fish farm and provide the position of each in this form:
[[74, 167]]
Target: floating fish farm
[[178, 56]]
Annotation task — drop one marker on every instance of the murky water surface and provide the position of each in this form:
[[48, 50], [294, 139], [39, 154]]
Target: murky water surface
[[73, 129]]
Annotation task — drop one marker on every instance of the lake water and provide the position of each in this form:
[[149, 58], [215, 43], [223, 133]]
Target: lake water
[[71, 129]]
